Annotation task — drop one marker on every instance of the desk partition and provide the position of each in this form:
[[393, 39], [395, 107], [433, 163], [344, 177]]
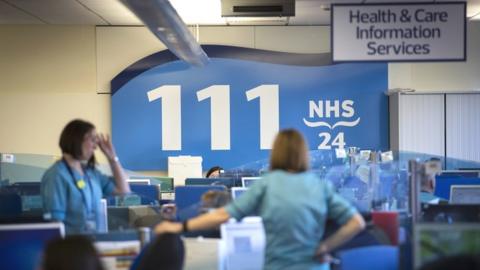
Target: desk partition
[[435, 240], [443, 184]]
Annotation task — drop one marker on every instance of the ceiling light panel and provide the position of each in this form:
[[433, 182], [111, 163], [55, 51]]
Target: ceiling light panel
[[203, 12]]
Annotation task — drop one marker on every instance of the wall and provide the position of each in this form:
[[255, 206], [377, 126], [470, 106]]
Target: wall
[[118, 47], [47, 77], [51, 74], [448, 76]]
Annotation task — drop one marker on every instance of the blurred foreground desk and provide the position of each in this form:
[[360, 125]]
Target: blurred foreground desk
[[201, 253], [118, 255], [117, 249]]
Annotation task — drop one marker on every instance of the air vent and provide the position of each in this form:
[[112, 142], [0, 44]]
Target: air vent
[[237, 9], [258, 8]]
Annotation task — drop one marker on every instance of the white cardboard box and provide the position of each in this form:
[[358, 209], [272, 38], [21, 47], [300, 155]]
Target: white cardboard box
[[183, 167]]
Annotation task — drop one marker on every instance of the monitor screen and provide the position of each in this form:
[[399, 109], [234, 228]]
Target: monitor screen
[[139, 181], [228, 182], [248, 181], [237, 191], [465, 194], [435, 240], [22, 244]]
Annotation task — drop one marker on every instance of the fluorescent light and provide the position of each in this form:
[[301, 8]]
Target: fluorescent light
[[199, 11]]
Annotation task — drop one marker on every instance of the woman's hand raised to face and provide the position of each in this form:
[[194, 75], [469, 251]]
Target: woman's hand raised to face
[[106, 146]]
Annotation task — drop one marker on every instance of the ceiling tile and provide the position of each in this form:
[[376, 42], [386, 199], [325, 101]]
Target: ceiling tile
[[112, 11], [9, 14], [59, 12]]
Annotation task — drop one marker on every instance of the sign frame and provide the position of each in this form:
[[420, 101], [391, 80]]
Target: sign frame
[[389, 59]]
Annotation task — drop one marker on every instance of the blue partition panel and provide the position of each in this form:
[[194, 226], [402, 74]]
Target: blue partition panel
[[443, 184], [187, 199], [149, 194]]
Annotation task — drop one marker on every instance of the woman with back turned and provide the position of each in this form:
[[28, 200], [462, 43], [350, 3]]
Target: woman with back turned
[[71, 188], [294, 205]]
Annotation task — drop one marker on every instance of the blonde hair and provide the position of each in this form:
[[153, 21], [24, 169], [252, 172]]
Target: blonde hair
[[289, 152]]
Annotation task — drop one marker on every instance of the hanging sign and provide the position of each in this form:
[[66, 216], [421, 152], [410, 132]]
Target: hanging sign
[[399, 32]]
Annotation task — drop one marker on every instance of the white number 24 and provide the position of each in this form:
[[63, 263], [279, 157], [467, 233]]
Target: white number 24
[[339, 140]]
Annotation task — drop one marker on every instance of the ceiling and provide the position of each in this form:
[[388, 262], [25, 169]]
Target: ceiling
[[193, 12]]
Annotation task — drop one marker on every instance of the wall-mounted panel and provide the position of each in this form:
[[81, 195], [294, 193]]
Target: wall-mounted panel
[[421, 124], [230, 110], [463, 127]]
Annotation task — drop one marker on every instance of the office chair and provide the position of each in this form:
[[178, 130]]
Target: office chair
[[388, 221]]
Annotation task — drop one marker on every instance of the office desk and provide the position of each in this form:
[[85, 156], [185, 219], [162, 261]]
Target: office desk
[[201, 253], [118, 255]]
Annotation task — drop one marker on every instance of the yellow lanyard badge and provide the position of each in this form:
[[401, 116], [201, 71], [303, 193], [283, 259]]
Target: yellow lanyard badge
[[80, 184]]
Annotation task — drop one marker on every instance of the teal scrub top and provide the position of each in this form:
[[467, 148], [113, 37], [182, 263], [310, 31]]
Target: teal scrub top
[[429, 198], [64, 201], [294, 209]]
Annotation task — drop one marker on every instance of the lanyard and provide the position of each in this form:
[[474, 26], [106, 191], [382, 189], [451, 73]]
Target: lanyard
[[75, 182]]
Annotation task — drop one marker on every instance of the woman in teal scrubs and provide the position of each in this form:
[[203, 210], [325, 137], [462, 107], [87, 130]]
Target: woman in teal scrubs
[[294, 205], [72, 187]]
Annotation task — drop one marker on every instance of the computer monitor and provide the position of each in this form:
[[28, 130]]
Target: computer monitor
[[22, 244], [228, 182], [465, 194], [139, 181], [248, 181], [237, 191], [435, 240]]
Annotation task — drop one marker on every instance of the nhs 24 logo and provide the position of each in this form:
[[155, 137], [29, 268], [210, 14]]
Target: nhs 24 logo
[[331, 114]]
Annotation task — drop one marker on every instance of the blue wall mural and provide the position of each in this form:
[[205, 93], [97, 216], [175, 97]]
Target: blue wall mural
[[229, 111]]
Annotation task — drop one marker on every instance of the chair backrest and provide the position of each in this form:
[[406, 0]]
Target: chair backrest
[[388, 222], [187, 199], [371, 257]]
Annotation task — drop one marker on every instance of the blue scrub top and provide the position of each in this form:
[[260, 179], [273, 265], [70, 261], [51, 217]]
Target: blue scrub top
[[64, 201], [294, 209]]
